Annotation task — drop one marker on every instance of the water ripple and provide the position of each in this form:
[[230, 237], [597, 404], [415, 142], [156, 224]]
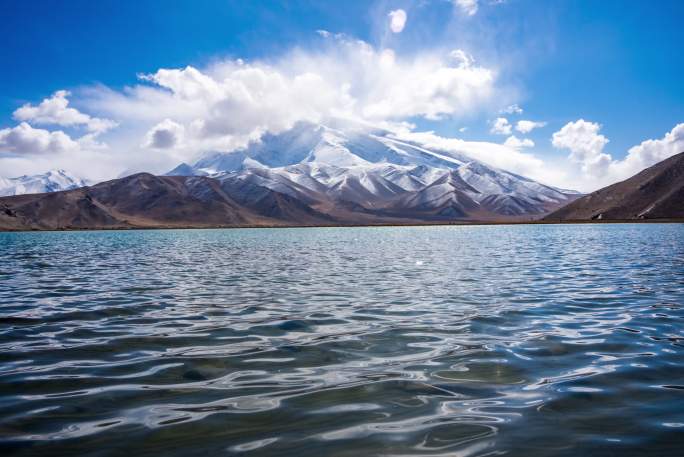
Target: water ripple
[[520, 340]]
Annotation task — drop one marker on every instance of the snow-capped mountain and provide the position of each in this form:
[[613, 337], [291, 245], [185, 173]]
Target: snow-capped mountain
[[52, 181], [353, 168]]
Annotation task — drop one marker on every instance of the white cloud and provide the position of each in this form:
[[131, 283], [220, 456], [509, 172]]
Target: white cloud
[[527, 126], [27, 143], [516, 143], [599, 168], [186, 83], [648, 153], [462, 58], [56, 111], [350, 79], [428, 88], [240, 99], [397, 20], [468, 7], [501, 126], [512, 109], [586, 145], [165, 135], [24, 139], [497, 155]]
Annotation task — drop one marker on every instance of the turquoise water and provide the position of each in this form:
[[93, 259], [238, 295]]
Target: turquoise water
[[516, 340]]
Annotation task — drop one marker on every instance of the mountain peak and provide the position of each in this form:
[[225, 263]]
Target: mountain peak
[[50, 181], [341, 162]]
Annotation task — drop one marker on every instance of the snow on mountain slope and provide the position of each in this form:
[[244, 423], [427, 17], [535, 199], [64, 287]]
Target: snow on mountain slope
[[448, 193], [370, 168], [52, 181]]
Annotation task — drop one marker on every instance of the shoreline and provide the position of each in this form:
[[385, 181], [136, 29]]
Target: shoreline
[[412, 224]]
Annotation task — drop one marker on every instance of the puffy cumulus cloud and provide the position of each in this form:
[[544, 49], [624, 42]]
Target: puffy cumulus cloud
[[501, 126], [56, 111], [397, 20], [29, 143], [187, 83], [512, 109], [585, 143], [467, 7], [650, 152], [516, 143], [253, 98], [165, 135], [428, 88], [525, 126], [232, 102], [24, 139], [598, 168]]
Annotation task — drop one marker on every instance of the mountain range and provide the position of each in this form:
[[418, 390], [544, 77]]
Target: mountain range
[[349, 167], [52, 181], [145, 201], [322, 175]]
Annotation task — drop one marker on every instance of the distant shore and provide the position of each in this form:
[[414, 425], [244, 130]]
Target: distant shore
[[412, 224]]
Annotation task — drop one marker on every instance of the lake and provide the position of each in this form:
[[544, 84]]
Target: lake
[[528, 340]]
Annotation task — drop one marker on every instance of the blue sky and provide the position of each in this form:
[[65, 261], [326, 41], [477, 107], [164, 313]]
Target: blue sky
[[615, 64]]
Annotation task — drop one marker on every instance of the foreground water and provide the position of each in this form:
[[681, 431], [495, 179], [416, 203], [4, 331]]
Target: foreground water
[[516, 340]]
